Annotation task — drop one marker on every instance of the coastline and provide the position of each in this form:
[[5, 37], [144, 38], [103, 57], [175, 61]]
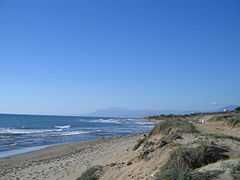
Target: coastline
[[137, 156], [8, 154], [65, 161]]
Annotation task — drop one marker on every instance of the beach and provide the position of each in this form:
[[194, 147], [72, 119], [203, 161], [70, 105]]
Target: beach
[[63, 147], [67, 161], [144, 156]]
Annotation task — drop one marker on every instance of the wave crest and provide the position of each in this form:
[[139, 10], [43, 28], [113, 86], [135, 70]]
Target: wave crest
[[26, 131], [63, 127]]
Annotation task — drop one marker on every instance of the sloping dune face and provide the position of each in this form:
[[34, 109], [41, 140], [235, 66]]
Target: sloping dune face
[[180, 149]]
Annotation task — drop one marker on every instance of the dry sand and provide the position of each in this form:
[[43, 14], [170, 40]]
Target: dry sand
[[65, 162]]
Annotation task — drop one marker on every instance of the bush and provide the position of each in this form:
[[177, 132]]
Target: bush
[[237, 109], [175, 126], [172, 117], [223, 136], [236, 172], [140, 142], [184, 160], [93, 173], [232, 120], [203, 175]]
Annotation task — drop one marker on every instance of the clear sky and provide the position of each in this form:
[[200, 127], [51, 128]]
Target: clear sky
[[76, 56]]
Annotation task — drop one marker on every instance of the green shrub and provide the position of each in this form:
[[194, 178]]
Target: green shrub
[[237, 109], [174, 126], [184, 160], [140, 142], [232, 120], [236, 172], [203, 175], [93, 173], [172, 117], [223, 136]]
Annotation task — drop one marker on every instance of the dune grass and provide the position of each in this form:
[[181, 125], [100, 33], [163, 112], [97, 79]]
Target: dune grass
[[203, 175], [231, 120], [139, 143], [236, 172], [222, 136], [170, 129], [174, 126], [184, 160], [93, 173], [237, 109]]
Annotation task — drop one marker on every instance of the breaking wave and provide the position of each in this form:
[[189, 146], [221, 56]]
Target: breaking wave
[[26, 131]]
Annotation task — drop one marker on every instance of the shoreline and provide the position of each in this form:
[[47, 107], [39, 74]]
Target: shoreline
[[28, 150], [7, 154], [65, 161]]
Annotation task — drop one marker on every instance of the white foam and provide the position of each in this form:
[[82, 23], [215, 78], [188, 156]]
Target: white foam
[[113, 121], [25, 131], [144, 123], [74, 133], [63, 127]]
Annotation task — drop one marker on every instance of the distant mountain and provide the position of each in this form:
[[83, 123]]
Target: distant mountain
[[228, 108], [123, 112]]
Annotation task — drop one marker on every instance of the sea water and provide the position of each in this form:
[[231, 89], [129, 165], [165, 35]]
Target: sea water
[[24, 133]]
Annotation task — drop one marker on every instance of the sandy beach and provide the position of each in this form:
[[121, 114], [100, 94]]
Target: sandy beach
[[152, 156], [65, 162]]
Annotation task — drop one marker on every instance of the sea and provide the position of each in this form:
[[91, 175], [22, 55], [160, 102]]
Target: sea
[[25, 133]]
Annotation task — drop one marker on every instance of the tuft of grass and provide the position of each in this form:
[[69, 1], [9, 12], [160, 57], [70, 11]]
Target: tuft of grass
[[223, 136], [175, 126], [232, 120], [184, 160], [93, 173], [179, 174], [203, 175], [237, 109], [140, 142], [173, 117], [236, 172]]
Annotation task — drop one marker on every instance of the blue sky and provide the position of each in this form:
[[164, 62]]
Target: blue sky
[[72, 57]]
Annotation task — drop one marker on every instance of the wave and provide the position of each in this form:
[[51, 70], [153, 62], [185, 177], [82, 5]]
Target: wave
[[63, 127], [144, 123], [113, 121], [71, 133], [26, 131]]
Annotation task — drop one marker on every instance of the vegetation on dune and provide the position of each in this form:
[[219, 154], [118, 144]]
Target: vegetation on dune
[[93, 173], [140, 142], [179, 174], [171, 130], [184, 161], [188, 117], [236, 172], [222, 136], [175, 126], [237, 109], [203, 176], [188, 161], [172, 117], [232, 120]]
